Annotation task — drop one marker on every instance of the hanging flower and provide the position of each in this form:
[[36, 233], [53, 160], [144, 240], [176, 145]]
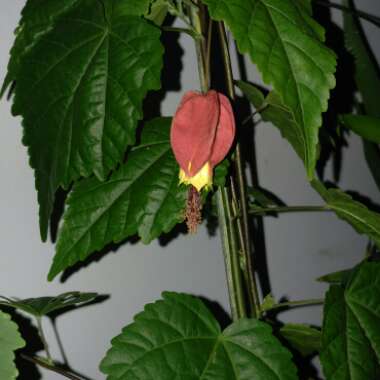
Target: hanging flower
[[202, 132]]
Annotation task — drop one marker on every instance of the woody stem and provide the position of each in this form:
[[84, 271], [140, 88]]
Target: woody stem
[[227, 225], [242, 222]]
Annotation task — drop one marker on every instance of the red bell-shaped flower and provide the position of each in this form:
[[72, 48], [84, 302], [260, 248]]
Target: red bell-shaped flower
[[203, 130]]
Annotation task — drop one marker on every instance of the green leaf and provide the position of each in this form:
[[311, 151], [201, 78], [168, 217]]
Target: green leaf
[[41, 306], [341, 277], [37, 19], [10, 340], [258, 196], [178, 338], [252, 93], [268, 303], [80, 92], [158, 12], [306, 5], [273, 110], [365, 126], [366, 68], [304, 338], [363, 220], [351, 327], [367, 79], [131, 7], [372, 156], [286, 44], [141, 197], [220, 173], [282, 118]]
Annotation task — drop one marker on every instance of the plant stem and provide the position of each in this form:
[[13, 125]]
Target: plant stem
[[202, 68], [190, 32], [364, 15], [231, 255], [43, 339], [284, 209], [316, 301], [253, 114], [50, 367], [243, 221], [226, 221]]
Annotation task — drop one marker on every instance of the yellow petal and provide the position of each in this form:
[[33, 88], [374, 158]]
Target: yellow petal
[[200, 180]]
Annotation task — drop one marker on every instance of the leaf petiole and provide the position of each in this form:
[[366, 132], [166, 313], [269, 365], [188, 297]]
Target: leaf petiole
[[284, 209], [310, 302], [51, 367]]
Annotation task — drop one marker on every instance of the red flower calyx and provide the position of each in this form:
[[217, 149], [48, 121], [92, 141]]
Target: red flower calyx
[[202, 132]]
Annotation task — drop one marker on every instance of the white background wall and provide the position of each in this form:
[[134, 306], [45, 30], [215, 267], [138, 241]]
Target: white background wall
[[300, 247]]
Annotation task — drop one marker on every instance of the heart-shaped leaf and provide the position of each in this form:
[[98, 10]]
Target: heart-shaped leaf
[[351, 327], [41, 306], [142, 197], [80, 91], [10, 340], [178, 338], [286, 44]]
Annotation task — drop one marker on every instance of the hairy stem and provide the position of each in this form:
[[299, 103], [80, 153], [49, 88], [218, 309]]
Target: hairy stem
[[241, 184]]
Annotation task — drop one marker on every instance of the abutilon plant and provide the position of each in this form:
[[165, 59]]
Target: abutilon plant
[[78, 75]]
